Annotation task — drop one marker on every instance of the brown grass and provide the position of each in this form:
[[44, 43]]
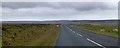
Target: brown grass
[[29, 34]]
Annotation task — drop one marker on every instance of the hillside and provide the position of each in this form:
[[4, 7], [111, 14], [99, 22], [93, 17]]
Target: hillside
[[29, 34]]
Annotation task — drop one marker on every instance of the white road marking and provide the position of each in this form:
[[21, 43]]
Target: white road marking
[[95, 43], [70, 29], [87, 38], [79, 34], [74, 31]]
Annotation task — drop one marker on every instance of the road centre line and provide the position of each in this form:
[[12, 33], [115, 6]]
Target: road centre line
[[70, 29], [87, 38], [95, 43], [79, 34], [74, 31]]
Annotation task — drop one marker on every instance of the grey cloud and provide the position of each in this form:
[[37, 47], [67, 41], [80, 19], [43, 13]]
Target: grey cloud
[[58, 5], [57, 10]]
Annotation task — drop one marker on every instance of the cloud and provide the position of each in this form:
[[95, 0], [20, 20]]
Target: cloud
[[59, 0], [57, 5], [40, 11]]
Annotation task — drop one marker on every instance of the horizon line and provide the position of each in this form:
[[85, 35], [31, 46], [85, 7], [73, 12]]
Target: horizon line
[[58, 20]]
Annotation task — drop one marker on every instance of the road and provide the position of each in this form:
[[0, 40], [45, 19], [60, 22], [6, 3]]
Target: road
[[71, 36]]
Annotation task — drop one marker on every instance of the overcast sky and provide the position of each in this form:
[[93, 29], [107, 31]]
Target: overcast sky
[[42, 11], [59, 0]]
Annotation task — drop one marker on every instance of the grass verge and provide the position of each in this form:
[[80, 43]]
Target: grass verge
[[0, 41], [100, 29], [29, 34]]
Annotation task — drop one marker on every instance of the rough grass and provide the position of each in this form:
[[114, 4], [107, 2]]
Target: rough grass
[[29, 34], [100, 29], [0, 41], [0, 35]]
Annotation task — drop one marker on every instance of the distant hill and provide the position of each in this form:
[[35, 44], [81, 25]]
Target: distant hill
[[95, 22]]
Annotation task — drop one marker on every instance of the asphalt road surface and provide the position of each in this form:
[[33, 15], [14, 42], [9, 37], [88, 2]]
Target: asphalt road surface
[[71, 36]]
